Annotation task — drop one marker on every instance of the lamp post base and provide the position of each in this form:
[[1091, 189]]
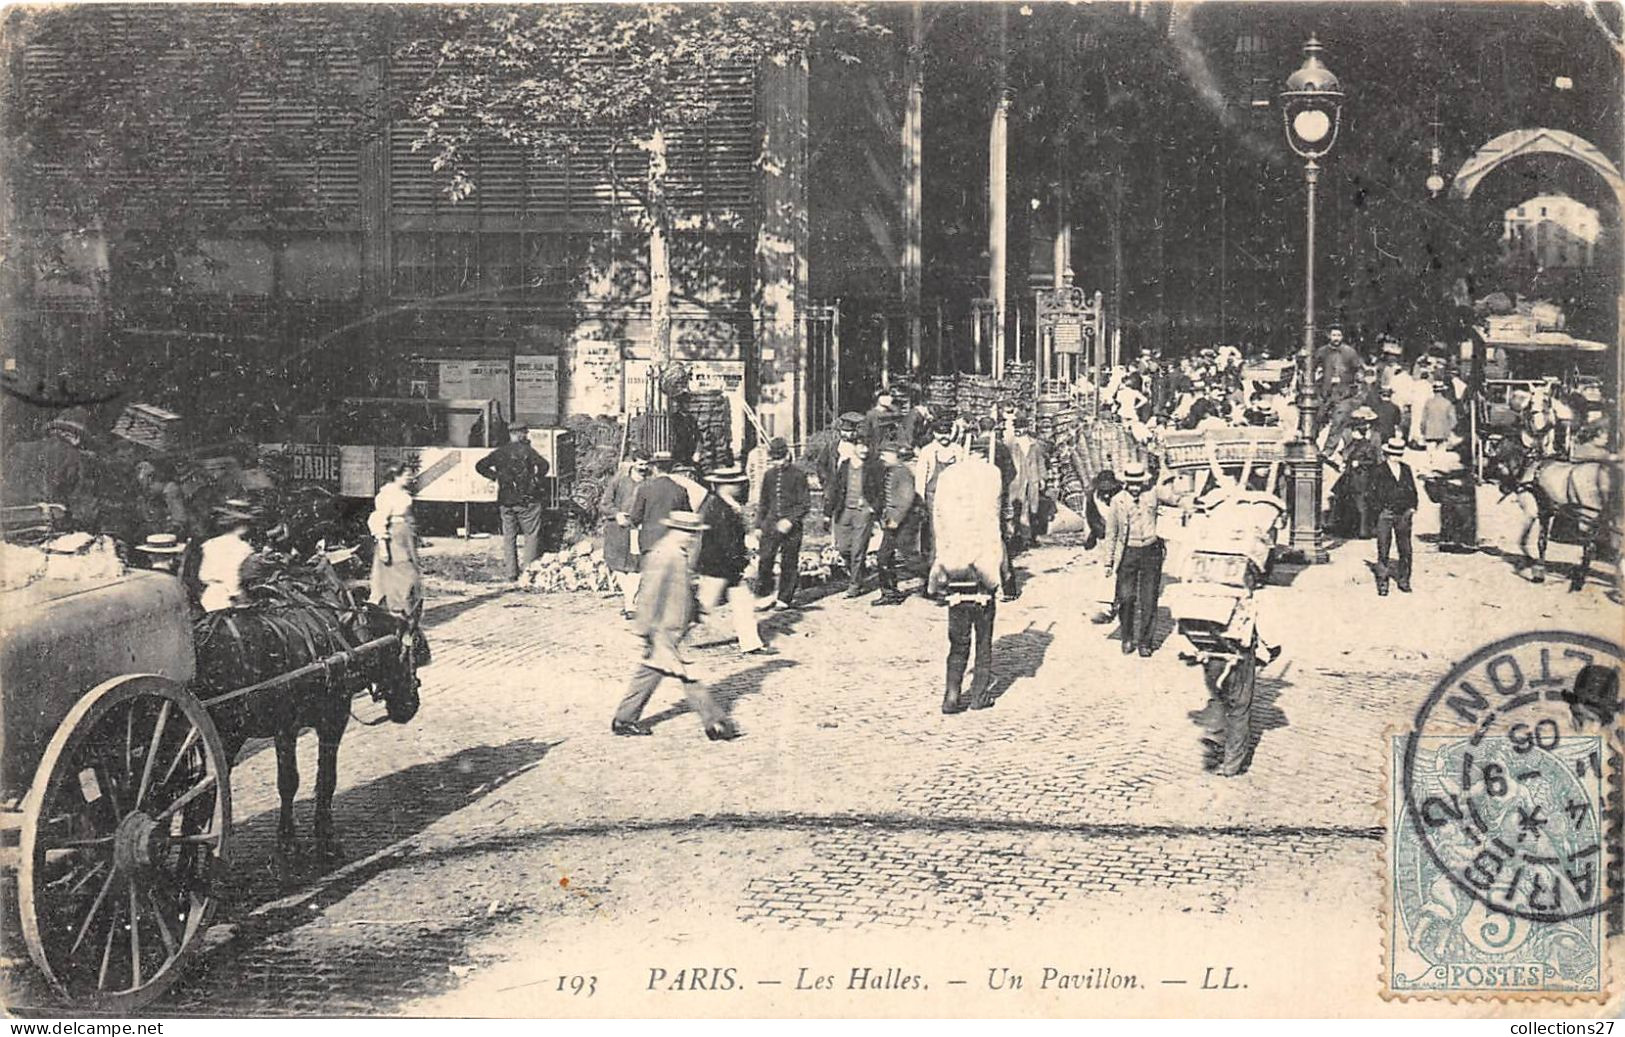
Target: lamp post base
[[1305, 470]]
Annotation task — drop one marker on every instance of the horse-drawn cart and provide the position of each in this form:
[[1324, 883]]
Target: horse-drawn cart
[[116, 775]]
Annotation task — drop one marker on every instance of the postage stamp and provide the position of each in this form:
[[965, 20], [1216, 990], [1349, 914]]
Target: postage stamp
[[1503, 851]]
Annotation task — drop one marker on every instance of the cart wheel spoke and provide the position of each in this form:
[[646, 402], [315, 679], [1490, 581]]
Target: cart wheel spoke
[[180, 754], [170, 946], [107, 950], [135, 938], [90, 916], [194, 792], [152, 756], [85, 879]]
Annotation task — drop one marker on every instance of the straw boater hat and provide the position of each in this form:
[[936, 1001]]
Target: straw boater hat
[[1364, 414], [1394, 447], [162, 544], [686, 521], [1134, 473], [1391, 347], [727, 474], [74, 419]]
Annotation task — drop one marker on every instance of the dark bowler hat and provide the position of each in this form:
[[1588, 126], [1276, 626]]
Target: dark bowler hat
[[851, 419], [777, 448], [1596, 689], [942, 425]]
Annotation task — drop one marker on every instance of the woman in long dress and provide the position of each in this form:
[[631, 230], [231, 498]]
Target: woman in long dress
[[397, 580]]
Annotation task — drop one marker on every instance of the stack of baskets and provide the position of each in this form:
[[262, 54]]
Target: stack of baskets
[[1016, 390], [977, 395], [941, 392]]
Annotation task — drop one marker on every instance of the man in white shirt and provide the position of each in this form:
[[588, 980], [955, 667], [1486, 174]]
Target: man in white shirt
[[220, 567]]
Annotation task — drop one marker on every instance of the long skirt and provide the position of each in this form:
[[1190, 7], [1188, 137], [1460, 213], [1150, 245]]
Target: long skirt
[[397, 585]]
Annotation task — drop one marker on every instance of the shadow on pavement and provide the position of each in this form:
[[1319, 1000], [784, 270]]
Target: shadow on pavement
[[369, 819], [1019, 655], [452, 609], [726, 691]]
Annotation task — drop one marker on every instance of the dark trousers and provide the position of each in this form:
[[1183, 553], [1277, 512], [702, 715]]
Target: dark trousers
[[783, 549], [1139, 582], [965, 620], [1231, 705], [900, 540], [1394, 528], [517, 518]]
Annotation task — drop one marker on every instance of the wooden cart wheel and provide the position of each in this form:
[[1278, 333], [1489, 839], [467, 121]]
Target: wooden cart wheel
[[124, 835]]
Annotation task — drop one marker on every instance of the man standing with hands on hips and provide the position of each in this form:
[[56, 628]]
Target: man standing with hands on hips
[[518, 471]]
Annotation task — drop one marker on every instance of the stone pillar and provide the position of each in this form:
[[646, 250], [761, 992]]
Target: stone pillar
[[913, 187], [777, 390]]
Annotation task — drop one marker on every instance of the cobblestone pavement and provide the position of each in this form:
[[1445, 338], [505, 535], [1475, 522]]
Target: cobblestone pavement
[[505, 832]]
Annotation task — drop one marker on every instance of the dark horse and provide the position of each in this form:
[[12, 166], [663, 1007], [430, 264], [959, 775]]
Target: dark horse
[[1546, 488], [298, 615]]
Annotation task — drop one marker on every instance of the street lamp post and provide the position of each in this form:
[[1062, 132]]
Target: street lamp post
[[1311, 109]]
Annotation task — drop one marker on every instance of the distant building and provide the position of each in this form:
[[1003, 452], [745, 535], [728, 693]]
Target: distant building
[[1552, 231]]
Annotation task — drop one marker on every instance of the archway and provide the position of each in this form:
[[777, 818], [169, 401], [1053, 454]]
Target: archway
[[1518, 143]]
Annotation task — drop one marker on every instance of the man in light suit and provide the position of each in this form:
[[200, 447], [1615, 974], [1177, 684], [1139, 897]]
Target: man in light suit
[[665, 611]]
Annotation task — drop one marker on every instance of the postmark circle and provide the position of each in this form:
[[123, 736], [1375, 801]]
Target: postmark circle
[[1506, 790]]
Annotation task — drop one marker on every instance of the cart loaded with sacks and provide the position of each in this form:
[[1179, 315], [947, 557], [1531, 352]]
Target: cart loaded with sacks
[[121, 710]]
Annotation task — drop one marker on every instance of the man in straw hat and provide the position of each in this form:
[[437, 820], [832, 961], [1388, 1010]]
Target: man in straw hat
[[722, 557], [163, 552], [220, 567], [781, 511], [1393, 498], [1134, 552], [665, 611]]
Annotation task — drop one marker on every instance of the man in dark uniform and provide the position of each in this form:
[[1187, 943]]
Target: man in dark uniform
[[898, 519], [1393, 498], [851, 503], [518, 471], [781, 509], [880, 425]]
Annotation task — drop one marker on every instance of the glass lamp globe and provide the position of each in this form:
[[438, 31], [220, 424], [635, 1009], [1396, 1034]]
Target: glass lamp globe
[[1311, 125]]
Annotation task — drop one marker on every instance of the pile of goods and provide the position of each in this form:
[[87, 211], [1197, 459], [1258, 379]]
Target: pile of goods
[[942, 393], [977, 395], [1104, 445], [71, 556], [598, 451], [1016, 388], [578, 568]]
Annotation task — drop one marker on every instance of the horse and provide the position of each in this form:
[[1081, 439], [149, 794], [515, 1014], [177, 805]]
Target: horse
[[1546, 488], [297, 616]]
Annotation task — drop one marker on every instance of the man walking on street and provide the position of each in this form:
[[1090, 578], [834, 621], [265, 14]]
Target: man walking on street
[[518, 471], [722, 558], [781, 511], [1027, 455], [1135, 552], [969, 565], [665, 611], [620, 553], [1393, 498], [851, 503], [898, 519], [936, 455]]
